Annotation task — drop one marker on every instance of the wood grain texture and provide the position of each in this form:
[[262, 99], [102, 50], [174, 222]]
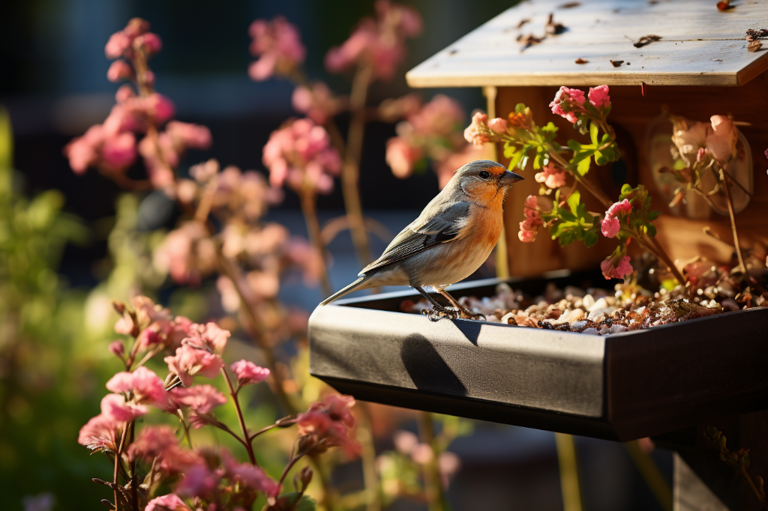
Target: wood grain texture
[[700, 46]]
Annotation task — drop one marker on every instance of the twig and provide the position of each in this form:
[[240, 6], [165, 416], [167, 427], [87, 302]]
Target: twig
[[134, 481], [248, 446], [726, 178]]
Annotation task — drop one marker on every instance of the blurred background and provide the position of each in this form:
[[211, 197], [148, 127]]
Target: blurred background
[[67, 240]]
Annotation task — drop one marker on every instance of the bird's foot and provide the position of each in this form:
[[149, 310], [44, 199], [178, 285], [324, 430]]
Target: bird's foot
[[436, 314], [468, 314]]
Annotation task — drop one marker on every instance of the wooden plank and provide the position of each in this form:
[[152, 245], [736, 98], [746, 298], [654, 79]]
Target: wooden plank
[[700, 46]]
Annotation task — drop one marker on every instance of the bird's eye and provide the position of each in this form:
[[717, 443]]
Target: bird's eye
[[484, 174]]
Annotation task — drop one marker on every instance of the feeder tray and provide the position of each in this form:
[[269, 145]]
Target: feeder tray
[[619, 387]]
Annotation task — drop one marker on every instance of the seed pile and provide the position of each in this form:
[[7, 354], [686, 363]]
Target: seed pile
[[628, 307]]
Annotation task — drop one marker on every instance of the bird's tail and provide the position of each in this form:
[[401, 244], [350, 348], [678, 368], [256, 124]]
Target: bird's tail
[[352, 287]]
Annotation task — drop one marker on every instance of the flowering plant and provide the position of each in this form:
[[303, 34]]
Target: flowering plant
[[148, 460], [567, 217]]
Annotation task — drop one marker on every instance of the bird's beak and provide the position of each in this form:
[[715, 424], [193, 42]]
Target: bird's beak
[[509, 178]]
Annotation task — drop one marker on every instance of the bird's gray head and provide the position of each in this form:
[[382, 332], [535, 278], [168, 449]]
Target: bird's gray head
[[483, 179]]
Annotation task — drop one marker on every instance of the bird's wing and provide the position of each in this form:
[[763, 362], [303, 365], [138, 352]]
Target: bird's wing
[[424, 233]]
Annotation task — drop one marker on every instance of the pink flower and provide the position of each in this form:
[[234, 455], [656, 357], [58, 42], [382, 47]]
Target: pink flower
[[124, 93], [114, 405], [401, 157], [145, 385], [99, 434], [83, 152], [210, 335], [119, 152], [118, 43], [530, 226], [186, 135], [378, 43], [325, 424], [721, 141], [689, 140], [610, 224], [610, 227], [439, 117], [317, 102], [199, 481], [568, 103], [551, 176], [187, 253], [405, 441], [599, 97], [152, 442], [200, 398], [498, 125], [190, 361], [119, 70], [117, 348], [170, 502], [252, 477], [477, 132], [611, 270], [148, 42], [299, 153], [278, 43], [248, 373]]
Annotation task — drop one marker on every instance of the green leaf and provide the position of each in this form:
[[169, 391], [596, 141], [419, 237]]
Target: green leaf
[[593, 132], [653, 215], [574, 145], [573, 201], [651, 230], [509, 150], [590, 238], [519, 108], [515, 161], [679, 164], [582, 167], [549, 128], [626, 189], [537, 161]]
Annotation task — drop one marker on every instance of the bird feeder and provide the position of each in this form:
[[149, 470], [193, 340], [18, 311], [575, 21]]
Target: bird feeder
[[686, 56]]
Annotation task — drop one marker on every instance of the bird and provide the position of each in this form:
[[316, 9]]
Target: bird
[[450, 239]]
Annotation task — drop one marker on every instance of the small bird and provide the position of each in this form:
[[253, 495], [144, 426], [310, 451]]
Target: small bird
[[449, 240]]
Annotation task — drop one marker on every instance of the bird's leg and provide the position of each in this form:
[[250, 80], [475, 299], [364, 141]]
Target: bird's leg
[[440, 310], [465, 313]]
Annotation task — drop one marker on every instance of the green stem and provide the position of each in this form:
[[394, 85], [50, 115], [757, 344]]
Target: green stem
[[434, 488], [350, 172], [651, 474], [570, 481], [370, 478], [309, 210]]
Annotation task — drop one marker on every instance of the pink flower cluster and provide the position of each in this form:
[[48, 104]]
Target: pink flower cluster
[[317, 102], [134, 38], [569, 103], [379, 42], [477, 132], [248, 373], [190, 361], [151, 324], [529, 227], [551, 176], [278, 45], [300, 155], [718, 140], [187, 253], [408, 444], [610, 225], [432, 130], [616, 267], [327, 424]]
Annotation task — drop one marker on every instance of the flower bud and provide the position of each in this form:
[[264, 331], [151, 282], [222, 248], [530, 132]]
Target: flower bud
[[117, 348]]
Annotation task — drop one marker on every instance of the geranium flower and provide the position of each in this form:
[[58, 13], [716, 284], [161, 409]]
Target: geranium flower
[[249, 373]]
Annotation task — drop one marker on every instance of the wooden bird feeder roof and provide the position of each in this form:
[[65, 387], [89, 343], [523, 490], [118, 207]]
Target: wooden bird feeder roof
[[699, 45]]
